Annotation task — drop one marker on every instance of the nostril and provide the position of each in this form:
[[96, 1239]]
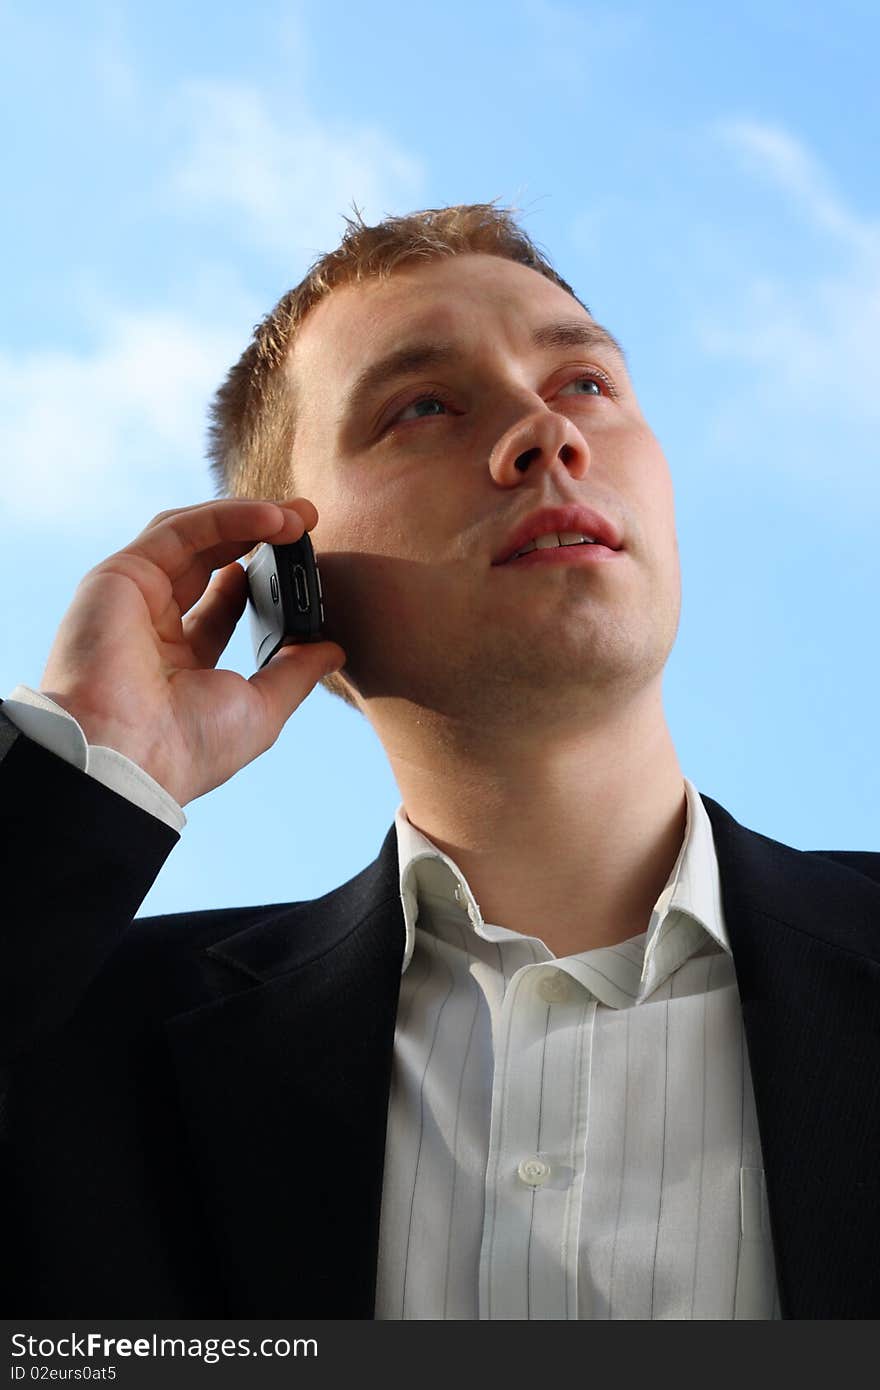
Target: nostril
[[522, 463]]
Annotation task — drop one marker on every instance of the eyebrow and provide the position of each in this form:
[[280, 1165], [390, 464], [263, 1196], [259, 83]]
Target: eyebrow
[[417, 356]]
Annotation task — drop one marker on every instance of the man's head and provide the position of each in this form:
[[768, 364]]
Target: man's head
[[419, 478]]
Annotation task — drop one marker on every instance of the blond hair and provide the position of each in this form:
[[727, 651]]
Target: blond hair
[[253, 415]]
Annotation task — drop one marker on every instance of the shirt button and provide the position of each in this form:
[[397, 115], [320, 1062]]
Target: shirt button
[[534, 1171], [554, 988]]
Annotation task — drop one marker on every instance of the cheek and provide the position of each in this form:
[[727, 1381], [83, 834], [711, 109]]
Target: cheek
[[373, 599], [653, 483], [357, 516]]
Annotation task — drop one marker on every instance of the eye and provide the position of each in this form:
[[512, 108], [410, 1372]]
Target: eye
[[596, 379], [431, 397]]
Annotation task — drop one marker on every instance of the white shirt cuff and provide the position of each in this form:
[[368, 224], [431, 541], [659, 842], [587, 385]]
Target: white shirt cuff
[[53, 728]]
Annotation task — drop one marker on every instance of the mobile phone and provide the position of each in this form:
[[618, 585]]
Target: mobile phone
[[285, 602]]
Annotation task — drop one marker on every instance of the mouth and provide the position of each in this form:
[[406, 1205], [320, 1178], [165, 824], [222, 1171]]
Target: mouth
[[585, 553], [554, 530]]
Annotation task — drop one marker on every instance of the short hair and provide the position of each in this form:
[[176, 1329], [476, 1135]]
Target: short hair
[[253, 415]]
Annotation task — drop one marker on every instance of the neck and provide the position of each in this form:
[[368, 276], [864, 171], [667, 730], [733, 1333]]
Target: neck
[[567, 834]]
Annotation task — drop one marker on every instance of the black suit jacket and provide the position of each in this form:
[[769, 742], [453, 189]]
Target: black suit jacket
[[196, 1104]]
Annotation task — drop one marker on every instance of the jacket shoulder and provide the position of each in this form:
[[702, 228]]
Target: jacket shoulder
[[186, 958], [862, 860]]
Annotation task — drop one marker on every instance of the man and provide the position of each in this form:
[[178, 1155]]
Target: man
[[576, 1044]]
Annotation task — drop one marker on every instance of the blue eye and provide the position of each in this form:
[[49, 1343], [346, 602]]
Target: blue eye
[[589, 381], [429, 397], [433, 398]]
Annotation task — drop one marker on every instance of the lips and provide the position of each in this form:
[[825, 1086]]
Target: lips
[[582, 520]]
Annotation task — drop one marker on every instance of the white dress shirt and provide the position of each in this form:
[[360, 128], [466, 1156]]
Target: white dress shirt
[[568, 1137]]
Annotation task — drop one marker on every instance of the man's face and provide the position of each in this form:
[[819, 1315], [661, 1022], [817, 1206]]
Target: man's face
[[417, 496]]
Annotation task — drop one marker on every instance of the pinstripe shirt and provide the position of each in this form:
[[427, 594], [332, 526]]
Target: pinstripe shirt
[[571, 1137], [567, 1137]]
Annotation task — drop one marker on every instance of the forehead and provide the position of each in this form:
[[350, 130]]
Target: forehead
[[462, 297]]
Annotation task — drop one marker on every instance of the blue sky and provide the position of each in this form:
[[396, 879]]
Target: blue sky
[[706, 179]]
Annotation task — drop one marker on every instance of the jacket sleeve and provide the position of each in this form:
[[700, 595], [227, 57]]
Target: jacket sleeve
[[78, 861], [49, 724]]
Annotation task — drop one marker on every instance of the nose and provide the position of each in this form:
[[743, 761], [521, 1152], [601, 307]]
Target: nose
[[544, 440]]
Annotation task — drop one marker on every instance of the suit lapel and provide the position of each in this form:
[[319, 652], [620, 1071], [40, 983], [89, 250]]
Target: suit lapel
[[285, 1080], [804, 932], [285, 1086]]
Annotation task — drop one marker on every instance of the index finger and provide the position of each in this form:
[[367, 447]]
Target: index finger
[[213, 534]]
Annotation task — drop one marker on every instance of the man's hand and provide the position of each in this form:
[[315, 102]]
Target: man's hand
[[134, 660]]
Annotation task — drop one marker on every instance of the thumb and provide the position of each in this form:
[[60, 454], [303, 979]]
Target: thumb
[[292, 674]]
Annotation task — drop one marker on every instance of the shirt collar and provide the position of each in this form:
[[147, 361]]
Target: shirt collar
[[688, 908]]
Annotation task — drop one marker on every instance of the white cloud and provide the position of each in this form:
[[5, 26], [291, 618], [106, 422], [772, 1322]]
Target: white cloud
[[777, 156], [119, 429], [285, 182], [92, 437], [812, 338]]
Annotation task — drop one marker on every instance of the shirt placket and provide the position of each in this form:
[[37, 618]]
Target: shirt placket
[[537, 1143]]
